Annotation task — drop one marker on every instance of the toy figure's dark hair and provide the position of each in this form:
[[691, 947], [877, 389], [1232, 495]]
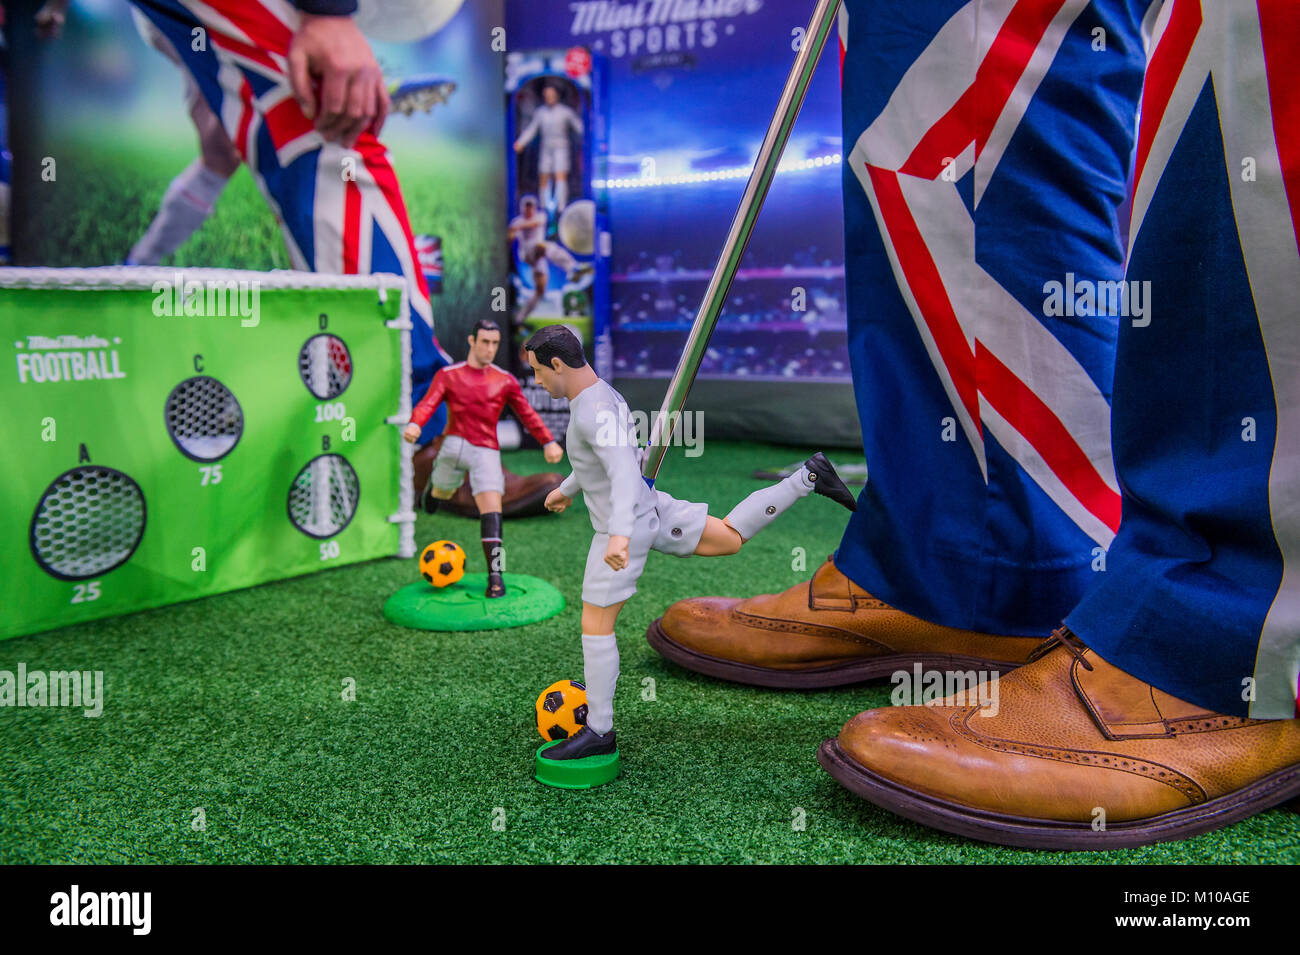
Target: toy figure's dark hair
[[484, 325], [556, 341]]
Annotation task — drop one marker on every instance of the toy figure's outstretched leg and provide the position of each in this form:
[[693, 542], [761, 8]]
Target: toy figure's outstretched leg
[[494, 551], [764, 506]]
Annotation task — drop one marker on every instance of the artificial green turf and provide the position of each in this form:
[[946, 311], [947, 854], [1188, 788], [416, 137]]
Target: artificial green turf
[[234, 704]]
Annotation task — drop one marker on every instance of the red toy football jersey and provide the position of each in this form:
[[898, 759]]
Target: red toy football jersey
[[475, 398]]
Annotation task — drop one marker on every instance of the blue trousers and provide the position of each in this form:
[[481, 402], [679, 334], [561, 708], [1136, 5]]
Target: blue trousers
[[1076, 341]]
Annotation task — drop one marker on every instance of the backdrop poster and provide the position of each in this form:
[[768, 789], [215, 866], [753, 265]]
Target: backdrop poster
[[691, 89]]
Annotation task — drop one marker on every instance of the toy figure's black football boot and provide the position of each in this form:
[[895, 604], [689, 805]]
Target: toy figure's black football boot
[[827, 482], [585, 742], [496, 586]]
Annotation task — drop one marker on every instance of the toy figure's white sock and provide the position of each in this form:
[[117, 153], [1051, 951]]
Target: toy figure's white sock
[[763, 507], [600, 671], [561, 192], [186, 205]]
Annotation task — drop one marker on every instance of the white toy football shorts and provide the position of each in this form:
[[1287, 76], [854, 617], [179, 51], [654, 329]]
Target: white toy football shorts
[[458, 456], [554, 160], [673, 527]]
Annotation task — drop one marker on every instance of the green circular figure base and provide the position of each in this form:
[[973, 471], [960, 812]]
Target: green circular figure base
[[575, 773], [462, 606]]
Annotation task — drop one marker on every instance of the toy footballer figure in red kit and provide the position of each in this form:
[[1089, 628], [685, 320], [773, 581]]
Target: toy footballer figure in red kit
[[476, 392]]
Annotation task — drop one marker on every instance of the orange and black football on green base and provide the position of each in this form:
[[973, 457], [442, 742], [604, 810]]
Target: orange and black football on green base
[[442, 563], [561, 710]]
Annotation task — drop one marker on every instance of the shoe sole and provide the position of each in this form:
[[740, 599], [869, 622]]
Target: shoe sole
[[842, 674], [1267, 793]]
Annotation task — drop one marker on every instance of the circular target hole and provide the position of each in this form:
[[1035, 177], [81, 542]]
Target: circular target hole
[[323, 496], [204, 418], [325, 365], [89, 521]]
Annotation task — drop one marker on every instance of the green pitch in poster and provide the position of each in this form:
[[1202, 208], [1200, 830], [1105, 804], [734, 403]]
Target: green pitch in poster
[[176, 434]]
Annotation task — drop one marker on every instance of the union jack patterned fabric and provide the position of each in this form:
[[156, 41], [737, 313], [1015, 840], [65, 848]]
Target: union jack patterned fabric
[[341, 210], [996, 170]]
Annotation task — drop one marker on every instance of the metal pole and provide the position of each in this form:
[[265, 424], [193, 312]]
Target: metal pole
[[742, 227]]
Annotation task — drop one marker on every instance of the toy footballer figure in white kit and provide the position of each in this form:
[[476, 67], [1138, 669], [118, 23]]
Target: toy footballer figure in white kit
[[553, 120], [630, 519]]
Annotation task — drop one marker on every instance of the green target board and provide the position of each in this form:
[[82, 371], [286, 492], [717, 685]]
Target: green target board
[[171, 435]]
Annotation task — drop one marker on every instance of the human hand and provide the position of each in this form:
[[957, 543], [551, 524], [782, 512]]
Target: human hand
[[411, 432], [352, 98], [616, 551], [557, 502], [552, 452]]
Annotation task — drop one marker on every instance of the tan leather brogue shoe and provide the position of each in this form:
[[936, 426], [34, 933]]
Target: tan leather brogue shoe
[[1072, 753], [524, 494], [826, 632]]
